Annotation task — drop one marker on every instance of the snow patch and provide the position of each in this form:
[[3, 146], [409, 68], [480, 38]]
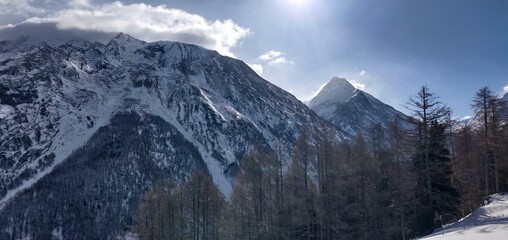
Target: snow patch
[[57, 233], [6, 111], [210, 103]]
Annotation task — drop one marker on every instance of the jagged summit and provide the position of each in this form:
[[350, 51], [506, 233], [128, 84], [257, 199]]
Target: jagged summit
[[122, 35], [123, 38]]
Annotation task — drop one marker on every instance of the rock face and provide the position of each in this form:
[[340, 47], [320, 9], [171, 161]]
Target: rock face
[[352, 110], [86, 128]]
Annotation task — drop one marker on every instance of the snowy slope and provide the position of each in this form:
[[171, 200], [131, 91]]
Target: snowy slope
[[110, 119], [352, 110], [487, 222]]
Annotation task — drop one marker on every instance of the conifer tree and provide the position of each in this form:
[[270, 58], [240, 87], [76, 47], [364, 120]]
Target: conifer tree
[[429, 115], [444, 197]]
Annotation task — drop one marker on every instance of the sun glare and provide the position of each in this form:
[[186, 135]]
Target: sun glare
[[297, 2]]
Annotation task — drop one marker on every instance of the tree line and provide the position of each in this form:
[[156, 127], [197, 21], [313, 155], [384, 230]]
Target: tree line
[[431, 171]]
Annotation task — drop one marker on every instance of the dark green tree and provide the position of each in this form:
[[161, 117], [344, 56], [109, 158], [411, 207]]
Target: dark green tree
[[429, 140], [444, 197], [439, 204]]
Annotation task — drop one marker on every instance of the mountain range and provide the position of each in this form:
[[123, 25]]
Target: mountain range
[[86, 128]]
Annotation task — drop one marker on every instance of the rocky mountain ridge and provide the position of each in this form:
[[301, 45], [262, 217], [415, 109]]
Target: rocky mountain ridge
[[86, 128]]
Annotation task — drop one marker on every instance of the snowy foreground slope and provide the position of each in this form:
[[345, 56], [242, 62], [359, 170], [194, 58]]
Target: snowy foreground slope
[[86, 128], [489, 222]]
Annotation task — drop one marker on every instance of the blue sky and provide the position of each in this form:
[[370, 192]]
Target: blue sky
[[388, 47]]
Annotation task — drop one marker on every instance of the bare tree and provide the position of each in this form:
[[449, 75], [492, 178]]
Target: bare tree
[[190, 210], [487, 108]]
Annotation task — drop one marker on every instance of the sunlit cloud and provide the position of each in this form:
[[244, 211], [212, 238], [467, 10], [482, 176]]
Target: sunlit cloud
[[357, 85], [272, 54], [149, 23], [279, 61], [275, 58], [258, 68], [80, 3], [505, 89], [363, 72]]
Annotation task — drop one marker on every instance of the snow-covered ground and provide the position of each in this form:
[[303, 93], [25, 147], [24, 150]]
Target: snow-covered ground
[[488, 222]]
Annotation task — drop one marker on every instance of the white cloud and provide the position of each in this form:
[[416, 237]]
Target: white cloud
[[270, 55], [80, 3], [150, 23], [275, 58], [279, 61], [258, 68], [18, 7], [357, 85], [505, 89], [363, 72]]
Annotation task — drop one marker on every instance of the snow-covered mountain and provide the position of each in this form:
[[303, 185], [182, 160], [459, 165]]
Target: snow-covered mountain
[[352, 110], [86, 128]]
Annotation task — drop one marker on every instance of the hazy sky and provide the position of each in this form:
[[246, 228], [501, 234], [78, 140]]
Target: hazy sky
[[388, 47]]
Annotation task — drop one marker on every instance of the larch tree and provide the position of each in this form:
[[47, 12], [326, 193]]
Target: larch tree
[[483, 106], [189, 210], [155, 216], [252, 210], [467, 168], [301, 190]]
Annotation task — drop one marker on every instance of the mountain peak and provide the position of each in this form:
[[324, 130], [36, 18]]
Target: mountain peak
[[123, 39], [122, 35], [338, 90], [126, 42], [351, 110], [340, 82]]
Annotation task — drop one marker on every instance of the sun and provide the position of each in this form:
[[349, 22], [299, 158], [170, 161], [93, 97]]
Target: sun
[[297, 2]]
